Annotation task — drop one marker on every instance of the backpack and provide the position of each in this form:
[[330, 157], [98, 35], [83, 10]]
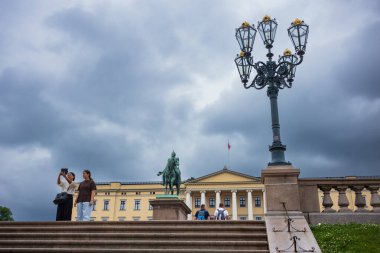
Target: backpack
[[201, 215], [220, 215]]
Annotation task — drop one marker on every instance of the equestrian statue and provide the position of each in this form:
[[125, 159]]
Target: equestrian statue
[[171, 175]]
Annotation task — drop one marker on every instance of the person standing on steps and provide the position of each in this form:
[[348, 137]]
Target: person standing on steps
[[221, 213], [64, 210], [86, 195], [202, 214]]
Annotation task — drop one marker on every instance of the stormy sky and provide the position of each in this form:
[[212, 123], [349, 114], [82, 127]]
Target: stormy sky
[[115, 86]]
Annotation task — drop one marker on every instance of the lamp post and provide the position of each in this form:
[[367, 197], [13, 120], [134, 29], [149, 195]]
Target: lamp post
[[275, 75]]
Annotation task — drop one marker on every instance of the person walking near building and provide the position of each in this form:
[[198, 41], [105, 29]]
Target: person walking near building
[[64, 210], [202, 214], [85, 198], [221, 213]]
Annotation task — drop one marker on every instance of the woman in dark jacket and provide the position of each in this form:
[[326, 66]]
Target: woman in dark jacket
[[64, 210]]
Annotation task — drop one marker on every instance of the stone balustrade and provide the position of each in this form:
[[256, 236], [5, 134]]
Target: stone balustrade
[[343, 203], [340, 195]]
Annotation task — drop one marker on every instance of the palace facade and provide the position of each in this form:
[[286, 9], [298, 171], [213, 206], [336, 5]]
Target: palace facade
[[243, 196]]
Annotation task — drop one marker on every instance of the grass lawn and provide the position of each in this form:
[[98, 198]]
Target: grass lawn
[[348, 238]]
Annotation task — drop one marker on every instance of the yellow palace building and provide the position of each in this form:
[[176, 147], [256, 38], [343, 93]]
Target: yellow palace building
[[243, 196]]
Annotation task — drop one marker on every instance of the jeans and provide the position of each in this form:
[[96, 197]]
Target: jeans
[[84, 211]]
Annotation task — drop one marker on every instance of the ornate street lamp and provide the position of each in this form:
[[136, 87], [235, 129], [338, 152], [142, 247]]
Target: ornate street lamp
[[275, 75]]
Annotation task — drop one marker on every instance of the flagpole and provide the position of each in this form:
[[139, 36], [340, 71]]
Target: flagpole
[[229, 147]]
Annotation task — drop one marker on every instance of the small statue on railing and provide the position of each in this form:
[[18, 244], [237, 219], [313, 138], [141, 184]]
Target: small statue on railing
[[171, 175]]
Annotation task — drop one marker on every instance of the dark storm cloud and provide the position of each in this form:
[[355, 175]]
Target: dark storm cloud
[[116, 86], [359, 73], [26, 117]]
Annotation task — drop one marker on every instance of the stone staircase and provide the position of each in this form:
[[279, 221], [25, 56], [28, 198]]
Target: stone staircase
[[134, 236]]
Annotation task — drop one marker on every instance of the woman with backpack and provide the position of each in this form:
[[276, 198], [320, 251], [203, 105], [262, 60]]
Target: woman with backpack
[[221, 213]]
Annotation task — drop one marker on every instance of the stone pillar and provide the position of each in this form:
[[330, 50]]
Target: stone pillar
[[281, 186], [264, 202], [203, 197], [359, 200], [217, 199], [282, 189], [342, 200], [250, 212], [375, 198], [234, 205], [189, 204], [327, 201]]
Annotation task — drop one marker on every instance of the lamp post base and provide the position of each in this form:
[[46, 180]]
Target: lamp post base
[[277, 150]]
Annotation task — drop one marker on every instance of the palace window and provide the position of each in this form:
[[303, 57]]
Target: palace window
[[242, 201], [152, 193], [243, 218], [137, 204], [104, 218], [138, 193], [257, 201], [197, 203], [258, 218], [150, 207], [94, 206], [211, 202], [106, 193], [122, 205], [121, 218], [106, 205], [136, 218], [227, 202], [123, 193]]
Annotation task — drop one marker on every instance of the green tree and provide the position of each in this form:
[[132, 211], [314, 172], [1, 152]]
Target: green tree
[[5, 214]]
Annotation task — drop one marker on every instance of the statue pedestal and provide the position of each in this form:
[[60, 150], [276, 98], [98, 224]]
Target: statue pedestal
[[169, 208]]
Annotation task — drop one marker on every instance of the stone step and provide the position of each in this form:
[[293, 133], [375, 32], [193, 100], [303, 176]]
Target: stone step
[[134, 236], [135, 228], [214, 235], [131, 223], [133, 244], [75, 250]]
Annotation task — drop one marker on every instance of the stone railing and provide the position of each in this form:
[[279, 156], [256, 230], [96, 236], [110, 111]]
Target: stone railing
[[340, 199], [340, 194], [343, 203]]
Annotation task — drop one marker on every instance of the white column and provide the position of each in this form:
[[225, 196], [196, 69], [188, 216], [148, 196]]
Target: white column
[[234, 205], [264, 201], [189, 204], [250, 212], [217, 199], [203, 197]]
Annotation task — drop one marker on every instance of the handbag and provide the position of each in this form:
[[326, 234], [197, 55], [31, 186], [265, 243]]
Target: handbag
[[61, 198]]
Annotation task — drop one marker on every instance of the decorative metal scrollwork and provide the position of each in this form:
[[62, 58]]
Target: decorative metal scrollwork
[[296, 248], [289, 222]]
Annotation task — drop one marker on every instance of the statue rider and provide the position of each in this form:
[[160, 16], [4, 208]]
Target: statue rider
[[171, 175]]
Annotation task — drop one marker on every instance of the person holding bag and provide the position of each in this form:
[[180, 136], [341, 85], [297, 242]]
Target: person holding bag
[[65, 206], [85, 199]]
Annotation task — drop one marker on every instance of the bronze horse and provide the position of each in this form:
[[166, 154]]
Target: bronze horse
[[171, 175]]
